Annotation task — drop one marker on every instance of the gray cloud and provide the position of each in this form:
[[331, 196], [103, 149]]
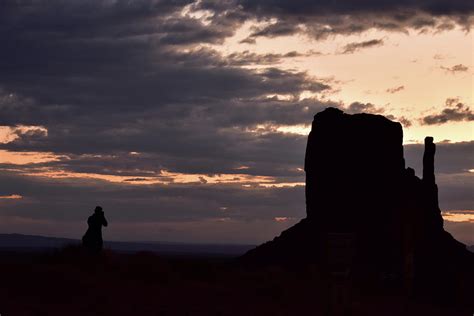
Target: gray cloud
[[320, 19], [248, 58], [324, 7], [395, 89], [454, 111], [211, 58], [358, 107], [456, 68], [404, 121], [279, 28], [354, 47]]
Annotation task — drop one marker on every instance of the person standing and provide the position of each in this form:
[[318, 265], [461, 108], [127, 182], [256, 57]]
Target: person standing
[[92, 240]]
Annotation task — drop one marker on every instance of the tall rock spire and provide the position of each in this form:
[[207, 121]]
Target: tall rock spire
[[428, 161]]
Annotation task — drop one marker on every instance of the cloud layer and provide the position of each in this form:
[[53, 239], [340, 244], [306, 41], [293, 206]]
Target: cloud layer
[[320, 19], [127, 104], [454, 111]]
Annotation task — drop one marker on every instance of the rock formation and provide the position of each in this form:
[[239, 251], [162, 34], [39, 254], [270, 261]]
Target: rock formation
[[366, 212]]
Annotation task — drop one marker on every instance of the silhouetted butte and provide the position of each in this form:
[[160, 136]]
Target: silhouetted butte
[[369, 214]]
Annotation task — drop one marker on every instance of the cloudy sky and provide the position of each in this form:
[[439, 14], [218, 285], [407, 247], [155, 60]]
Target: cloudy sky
[[187, 120]]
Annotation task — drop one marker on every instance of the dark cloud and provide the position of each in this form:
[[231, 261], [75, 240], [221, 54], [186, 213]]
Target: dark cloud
[[404, 121], [119, 87], [320, 19], [395, 89], [248, 40], [456, 68], [249, 58], [103, 20], [454, 111], [354, 47], [200, 145], [358, 107], [202, 151], [325, 7], [109, 78], [279, 28]]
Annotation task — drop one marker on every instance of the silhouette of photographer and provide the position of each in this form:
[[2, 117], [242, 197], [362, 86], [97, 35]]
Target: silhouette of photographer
[[92, 240]]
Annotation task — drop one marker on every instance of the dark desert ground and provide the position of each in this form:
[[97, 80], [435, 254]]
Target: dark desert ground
[[69, 282]]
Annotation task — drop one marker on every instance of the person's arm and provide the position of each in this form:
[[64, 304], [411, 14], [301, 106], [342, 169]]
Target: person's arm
[[104, 221]]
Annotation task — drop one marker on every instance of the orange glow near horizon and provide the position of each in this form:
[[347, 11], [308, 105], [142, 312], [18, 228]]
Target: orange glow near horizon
[[166, 178], [459, 216], [27, 157], [163, 177], [10, 133], [11, 197], [282, 219]]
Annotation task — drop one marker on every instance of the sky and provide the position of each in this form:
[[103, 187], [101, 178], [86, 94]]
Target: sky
[[187, 120]]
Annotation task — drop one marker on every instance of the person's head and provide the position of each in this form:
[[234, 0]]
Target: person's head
[[98, 209]]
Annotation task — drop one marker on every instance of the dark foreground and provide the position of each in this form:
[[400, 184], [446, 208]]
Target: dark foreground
[[69, 282]]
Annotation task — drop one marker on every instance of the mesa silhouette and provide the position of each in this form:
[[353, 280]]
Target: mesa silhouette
[[368, 216]]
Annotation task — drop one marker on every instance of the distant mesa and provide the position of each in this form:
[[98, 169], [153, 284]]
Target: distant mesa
[[367, 214]]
